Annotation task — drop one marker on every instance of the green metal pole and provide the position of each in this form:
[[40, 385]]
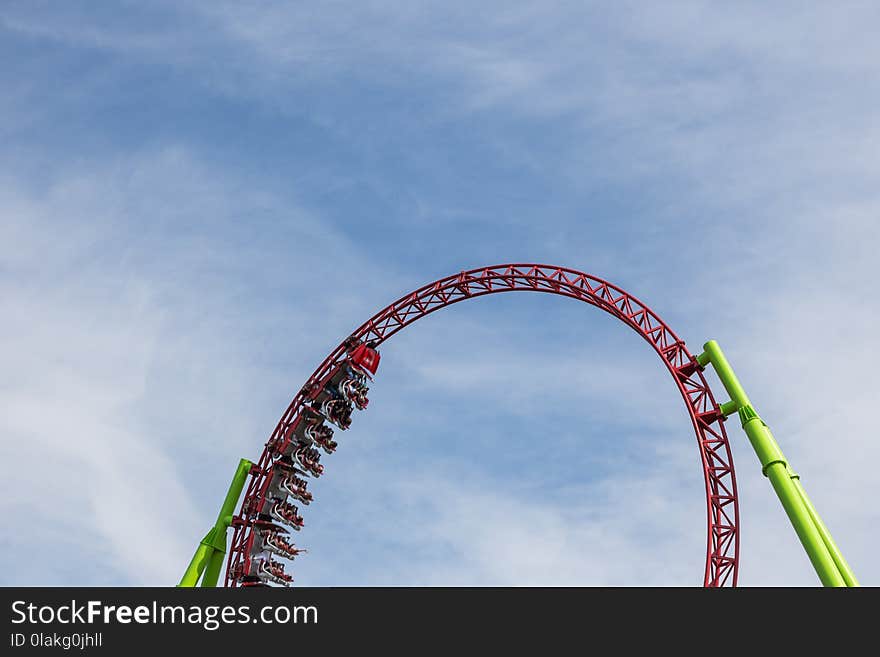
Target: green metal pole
[[224, 518], [814, 536], [196, 566], [212, 570], [800, 519], [208, 558], [842, 566]]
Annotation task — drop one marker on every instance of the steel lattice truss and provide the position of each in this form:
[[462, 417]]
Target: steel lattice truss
[[722, 549]]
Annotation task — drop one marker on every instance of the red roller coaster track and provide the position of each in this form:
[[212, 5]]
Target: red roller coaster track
[[722, 549]]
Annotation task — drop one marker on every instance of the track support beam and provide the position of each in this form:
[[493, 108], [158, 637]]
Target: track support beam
[[824, 554], [208, 559]]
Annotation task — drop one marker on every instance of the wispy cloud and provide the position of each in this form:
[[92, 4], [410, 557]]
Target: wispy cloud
[[123, 341], [199, 203]]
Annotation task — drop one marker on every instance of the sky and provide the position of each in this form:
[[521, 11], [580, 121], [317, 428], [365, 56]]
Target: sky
[[198, 201]]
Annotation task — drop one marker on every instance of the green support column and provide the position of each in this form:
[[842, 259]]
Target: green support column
[[213, 568], [842, 565], [196, 565], [208, 558], [814, 536]]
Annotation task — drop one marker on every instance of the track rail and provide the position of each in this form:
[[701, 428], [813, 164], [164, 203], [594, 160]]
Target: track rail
[[722, 509]]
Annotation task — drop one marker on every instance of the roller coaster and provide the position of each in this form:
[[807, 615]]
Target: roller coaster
[[277, 483]]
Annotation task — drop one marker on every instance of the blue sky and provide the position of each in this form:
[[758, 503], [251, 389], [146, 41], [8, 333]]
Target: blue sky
[[199, 200]]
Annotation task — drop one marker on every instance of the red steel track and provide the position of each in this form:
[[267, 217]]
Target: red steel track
[[722, 509]]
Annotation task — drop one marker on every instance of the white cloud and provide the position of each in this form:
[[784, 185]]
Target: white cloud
[[459, 525], [760, 123], [127, 365]]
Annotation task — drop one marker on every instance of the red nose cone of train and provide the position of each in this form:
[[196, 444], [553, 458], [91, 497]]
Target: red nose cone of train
[[365, 358]]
